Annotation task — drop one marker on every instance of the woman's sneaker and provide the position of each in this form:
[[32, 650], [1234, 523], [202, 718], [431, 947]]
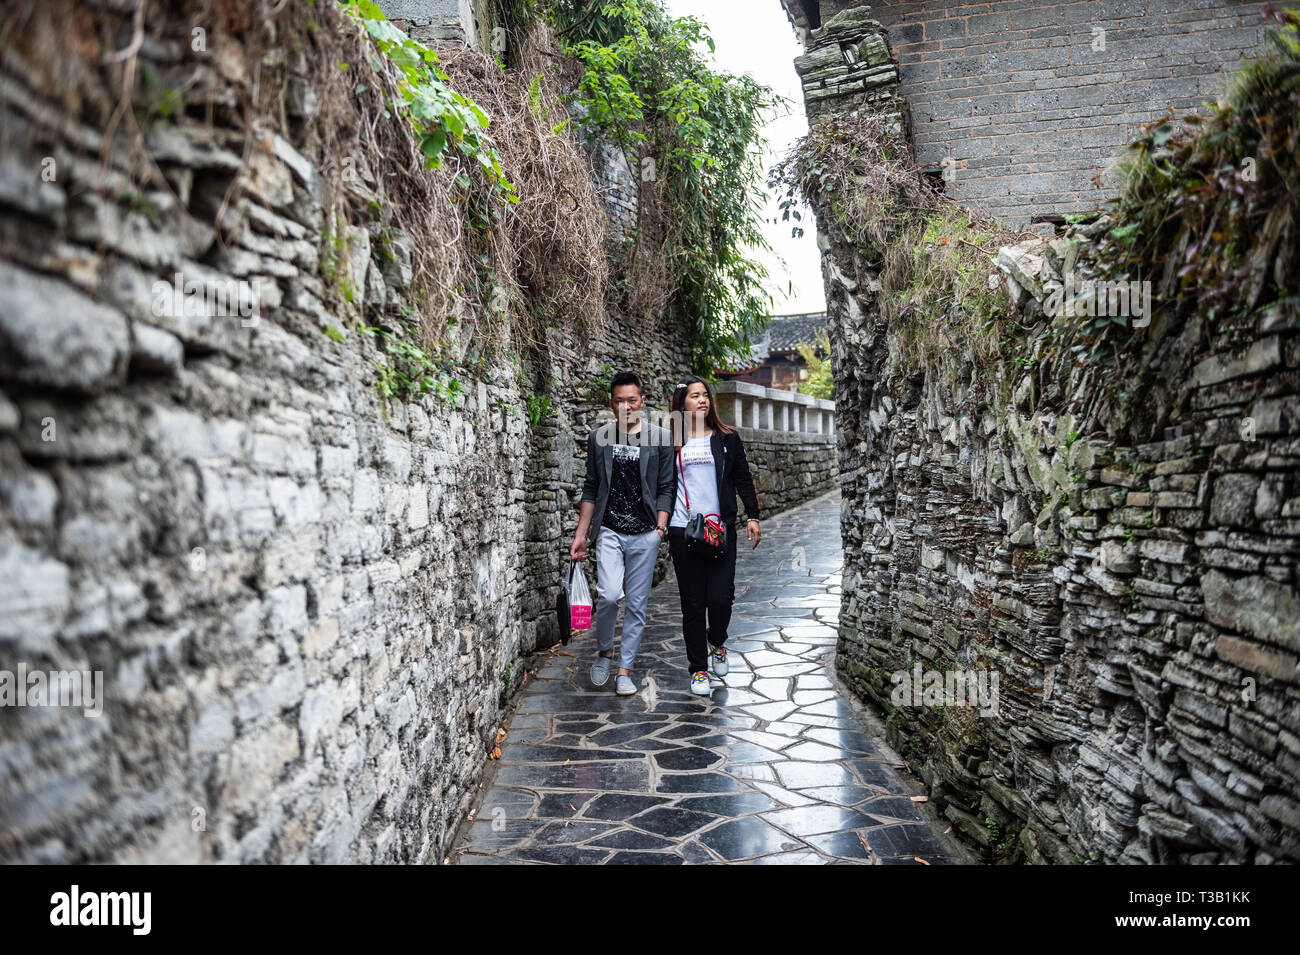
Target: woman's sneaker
[[700, 683], [720, 661]]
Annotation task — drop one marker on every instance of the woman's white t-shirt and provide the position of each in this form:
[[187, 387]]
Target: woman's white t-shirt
[[701, 481]]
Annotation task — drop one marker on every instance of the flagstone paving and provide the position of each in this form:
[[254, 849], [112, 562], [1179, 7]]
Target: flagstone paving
[[773, 767]]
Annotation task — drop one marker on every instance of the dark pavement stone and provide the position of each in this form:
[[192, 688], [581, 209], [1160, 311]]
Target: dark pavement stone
[[729, 804], [562, 805], [631, 839], [619, 806], [687, 758], [530, 753], [685, 731], [623, 775], [891, 808], [746, 838], [912, 839], [845, 845], [696, 853], [622, 734], [562, 833], [671, 822], [697, 783], [561, 855], [644, 858]]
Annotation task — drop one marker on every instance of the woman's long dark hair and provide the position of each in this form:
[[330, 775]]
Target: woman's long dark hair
[[678, 409]]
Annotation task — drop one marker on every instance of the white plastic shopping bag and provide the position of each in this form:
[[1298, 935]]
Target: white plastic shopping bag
[[579, 599]]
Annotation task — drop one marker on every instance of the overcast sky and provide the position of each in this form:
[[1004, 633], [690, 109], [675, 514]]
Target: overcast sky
[[755, 37]]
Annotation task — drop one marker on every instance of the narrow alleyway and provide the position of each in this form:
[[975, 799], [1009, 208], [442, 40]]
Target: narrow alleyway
[[773, 768]]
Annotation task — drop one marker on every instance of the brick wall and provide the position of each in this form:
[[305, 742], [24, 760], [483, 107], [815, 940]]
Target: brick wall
[[1015, 93]]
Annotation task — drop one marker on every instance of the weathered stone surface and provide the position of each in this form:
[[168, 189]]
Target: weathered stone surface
[[1256, 606], [52, 334]]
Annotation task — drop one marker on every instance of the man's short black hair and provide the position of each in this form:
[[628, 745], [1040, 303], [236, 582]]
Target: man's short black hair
[[626, 378]]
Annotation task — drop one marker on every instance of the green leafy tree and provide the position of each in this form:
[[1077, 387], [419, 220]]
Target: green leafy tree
[[816, 355], [693, 134]]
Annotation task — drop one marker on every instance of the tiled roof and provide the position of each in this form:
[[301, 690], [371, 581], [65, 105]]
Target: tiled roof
[[787, 331], [782, 334]]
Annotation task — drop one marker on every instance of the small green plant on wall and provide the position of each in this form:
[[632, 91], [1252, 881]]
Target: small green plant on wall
[[539, 407]]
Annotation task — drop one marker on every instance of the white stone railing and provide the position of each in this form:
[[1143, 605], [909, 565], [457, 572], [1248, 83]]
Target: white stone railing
[[772, 409]]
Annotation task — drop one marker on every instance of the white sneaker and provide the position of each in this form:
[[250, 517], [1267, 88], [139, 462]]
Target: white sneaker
[[700, 683], [719, 660]]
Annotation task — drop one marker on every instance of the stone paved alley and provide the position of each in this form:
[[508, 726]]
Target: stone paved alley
[[772, 768]]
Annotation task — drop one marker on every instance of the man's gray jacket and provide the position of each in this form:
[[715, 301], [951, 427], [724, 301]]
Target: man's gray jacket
[[658, 483]]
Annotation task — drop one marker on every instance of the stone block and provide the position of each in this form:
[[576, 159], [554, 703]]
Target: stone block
[[52, 334]]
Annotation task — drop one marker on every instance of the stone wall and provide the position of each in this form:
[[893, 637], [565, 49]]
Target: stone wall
[[1137, 605], [308, 604], [1021, 105], [457, 22]]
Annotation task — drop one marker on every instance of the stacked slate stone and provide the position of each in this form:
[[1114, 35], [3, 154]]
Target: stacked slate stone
[[1138, 603], [847, 66]]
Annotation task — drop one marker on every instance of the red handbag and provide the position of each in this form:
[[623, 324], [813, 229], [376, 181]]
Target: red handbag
[[705, 537]]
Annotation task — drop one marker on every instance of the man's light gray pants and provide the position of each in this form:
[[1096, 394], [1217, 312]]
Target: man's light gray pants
[[625, 563]]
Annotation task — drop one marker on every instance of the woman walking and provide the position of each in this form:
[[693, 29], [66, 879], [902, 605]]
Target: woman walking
[[711, 470]]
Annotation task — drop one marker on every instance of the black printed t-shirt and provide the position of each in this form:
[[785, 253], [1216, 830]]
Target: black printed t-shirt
[[625, 511]]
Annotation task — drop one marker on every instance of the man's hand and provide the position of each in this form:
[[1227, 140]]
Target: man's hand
[[578, 549], [755, 532]]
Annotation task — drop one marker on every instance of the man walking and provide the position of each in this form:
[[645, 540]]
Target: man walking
[[627, 498]]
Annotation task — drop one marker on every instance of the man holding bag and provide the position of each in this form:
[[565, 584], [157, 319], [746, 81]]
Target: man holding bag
[[627, 498]]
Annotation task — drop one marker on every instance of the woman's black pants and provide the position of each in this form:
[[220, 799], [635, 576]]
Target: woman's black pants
[[707, 585]]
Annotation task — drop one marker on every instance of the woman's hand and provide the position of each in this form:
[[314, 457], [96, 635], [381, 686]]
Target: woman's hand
[[755, 532]]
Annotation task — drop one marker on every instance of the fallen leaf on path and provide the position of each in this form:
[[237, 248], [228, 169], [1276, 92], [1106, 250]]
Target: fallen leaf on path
[[919, 798], [948, 830], [496, 753], [920, 860]]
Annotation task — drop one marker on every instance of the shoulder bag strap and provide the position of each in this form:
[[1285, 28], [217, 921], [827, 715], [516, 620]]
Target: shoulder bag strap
[[685, 493]]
